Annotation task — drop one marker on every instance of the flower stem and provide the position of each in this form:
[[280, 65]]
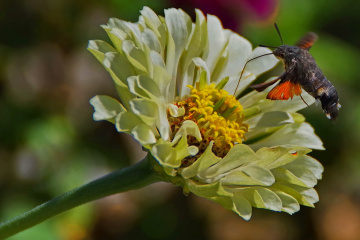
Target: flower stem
[[134, 177]]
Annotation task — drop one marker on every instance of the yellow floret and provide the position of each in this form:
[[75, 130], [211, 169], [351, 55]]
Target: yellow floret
[[218, 115]]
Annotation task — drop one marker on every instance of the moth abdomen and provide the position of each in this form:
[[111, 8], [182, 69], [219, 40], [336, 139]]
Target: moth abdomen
[[329, 99]]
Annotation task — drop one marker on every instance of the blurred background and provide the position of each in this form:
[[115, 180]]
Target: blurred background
[[49, 143]]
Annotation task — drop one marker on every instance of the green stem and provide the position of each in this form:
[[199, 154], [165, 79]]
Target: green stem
[[134, 177]]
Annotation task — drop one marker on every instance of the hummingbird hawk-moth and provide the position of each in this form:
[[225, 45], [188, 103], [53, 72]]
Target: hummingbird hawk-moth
[[301, 72]]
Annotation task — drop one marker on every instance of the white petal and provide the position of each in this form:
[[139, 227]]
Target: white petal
[[163, 80], [242, 207], [175, 111], [126, 121], [105, 107], [194, 48], [188, 79], [188, 128], [165, 154], [206, 160], [202, 65], [117, 36], [238, 155], [162, 123], [266, 105], [248, 175], [270, 119], [295, 176], [238, 51], [99, 48], [289, 203], [217, 39], [156, 59], [135, 56], [177, 27], [297, 134], [145, 109], [143, 134], [144, 86], [310, 163], [151, 40], [119, 66], [261, 64], [246, 79], [151, 16]]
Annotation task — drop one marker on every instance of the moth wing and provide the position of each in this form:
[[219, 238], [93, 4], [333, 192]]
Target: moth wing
[[284, 90], [307, 41]]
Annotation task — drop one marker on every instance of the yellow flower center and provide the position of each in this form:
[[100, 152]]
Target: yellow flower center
[[218, 115]]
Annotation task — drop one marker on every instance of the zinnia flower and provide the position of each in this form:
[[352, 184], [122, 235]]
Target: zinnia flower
[[176, 81]]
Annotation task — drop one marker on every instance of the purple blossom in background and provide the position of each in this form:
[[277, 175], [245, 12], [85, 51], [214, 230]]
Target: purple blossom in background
[[233, 13]]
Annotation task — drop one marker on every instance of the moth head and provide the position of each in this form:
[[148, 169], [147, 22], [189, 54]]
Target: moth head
[[286, 51]]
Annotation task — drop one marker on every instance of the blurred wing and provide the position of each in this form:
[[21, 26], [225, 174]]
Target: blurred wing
[[307, 41], [284, 91]]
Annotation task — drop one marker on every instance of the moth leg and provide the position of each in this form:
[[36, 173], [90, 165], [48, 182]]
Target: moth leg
[[304, 100], [262, 86]]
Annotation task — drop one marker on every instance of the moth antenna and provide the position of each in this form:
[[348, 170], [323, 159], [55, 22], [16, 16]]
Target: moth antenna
[[242, 72], [260, 45], [304, 100], [278, 31]]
